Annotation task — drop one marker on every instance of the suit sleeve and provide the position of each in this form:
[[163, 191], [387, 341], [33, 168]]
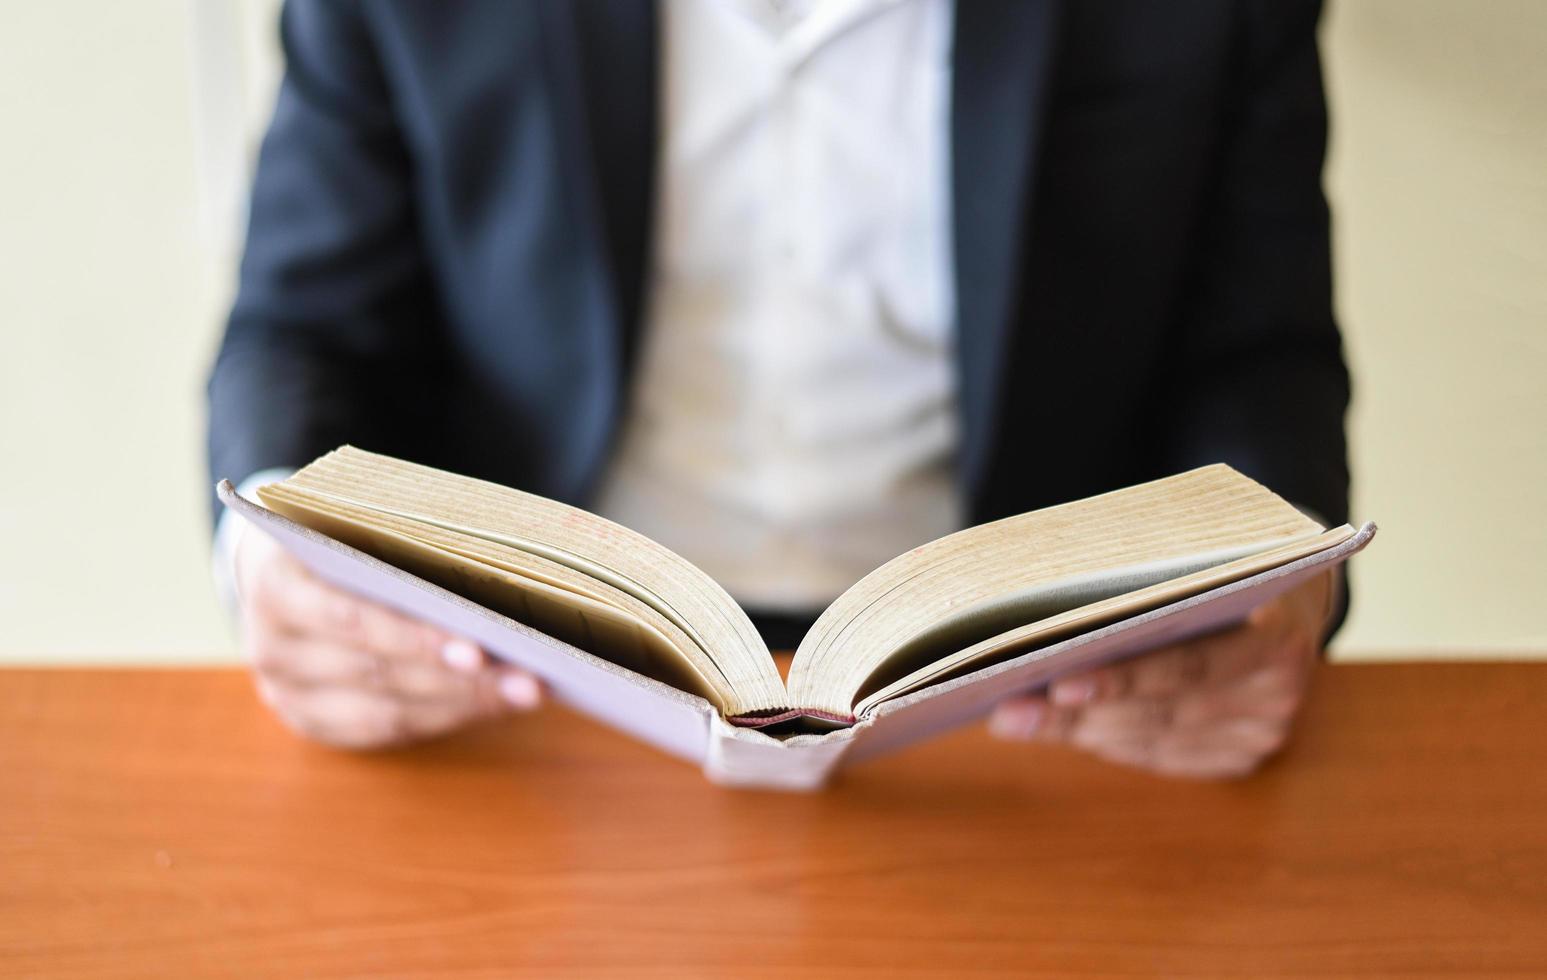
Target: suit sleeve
[[1258, 378], [333, 308]]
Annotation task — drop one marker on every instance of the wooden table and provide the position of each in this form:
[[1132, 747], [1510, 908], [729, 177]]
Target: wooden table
[[159, 823]]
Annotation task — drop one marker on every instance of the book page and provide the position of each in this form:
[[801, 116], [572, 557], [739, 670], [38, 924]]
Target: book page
[[565, 607], [900, 676], [1211, 515], [482, 518]]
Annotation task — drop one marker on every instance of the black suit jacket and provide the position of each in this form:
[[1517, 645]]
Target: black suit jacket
[[451, 219]]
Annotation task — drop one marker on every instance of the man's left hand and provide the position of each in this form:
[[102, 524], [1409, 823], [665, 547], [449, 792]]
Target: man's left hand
[[1212, 707]]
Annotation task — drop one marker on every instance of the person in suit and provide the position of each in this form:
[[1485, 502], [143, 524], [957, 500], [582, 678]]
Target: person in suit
[[791, 286]]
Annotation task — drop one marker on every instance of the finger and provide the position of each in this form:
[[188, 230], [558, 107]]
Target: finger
[[272, 573], [357, 718], [463, 656], [1134, 753], [1273, 692], [486, 695], [1232, 748], [343, 717], [303, 661], [1245, 723], [1169, 670], [518, 689], [295, 599], [1212, 762], [1031, 717], [1017, 718], [1258, 735], [1271, 695], [1128, 720]]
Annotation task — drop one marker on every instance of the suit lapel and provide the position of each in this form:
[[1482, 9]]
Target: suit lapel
[[1001, 62], [605, 76]]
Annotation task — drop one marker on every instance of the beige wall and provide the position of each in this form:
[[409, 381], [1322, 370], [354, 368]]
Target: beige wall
[[108, 295], [113, 270], [1439, 182]]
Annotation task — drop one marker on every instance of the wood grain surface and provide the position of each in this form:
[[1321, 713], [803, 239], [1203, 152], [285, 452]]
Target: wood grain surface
[[160, 823]]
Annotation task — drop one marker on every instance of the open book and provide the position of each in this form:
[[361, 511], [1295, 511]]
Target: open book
[[629, 632]]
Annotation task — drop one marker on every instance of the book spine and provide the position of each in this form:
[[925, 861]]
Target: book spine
[[745, 758]]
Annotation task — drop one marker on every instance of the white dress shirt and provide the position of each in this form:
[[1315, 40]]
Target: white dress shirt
[[793, 421]]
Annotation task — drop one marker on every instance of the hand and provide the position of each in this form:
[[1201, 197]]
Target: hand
[[1211, 707], [353, 674]]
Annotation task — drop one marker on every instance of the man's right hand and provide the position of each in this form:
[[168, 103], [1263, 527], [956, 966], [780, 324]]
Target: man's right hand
[[353, 674]]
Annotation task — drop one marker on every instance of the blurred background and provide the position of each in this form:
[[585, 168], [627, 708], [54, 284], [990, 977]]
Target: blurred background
[[127, 132]]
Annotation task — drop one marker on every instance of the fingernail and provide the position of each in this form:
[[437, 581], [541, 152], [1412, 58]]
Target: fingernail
[[520, 690], [462, 656], [1076, 690], [1017, 719]]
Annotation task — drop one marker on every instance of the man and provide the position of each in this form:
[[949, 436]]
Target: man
[[791, 286]]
